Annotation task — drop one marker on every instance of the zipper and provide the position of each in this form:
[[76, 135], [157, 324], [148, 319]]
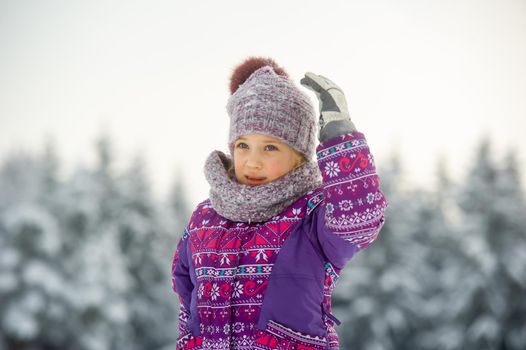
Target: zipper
[[330, 315]]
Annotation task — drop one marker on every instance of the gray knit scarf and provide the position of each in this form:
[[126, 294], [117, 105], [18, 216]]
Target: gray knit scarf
[[238, 202]]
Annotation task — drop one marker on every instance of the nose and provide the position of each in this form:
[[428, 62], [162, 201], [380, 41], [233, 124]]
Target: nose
[[254, 161]]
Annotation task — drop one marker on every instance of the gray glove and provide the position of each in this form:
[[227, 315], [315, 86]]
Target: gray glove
[[334, 114]]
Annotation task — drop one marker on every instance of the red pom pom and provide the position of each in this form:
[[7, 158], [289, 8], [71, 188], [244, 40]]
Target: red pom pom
[[241, 73]]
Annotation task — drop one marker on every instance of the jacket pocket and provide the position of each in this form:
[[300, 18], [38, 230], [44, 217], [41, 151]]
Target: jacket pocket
[[278, 337]]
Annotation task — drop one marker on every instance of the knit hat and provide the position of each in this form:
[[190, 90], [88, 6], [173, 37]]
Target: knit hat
[[264, 100]]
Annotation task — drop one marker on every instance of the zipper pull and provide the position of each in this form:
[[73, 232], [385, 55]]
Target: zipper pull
[[332, 317], [329, 315]]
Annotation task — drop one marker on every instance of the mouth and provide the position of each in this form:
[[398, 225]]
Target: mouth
[[255, 180]]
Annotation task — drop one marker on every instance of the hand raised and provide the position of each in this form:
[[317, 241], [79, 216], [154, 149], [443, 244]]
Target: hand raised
[[332, 102]]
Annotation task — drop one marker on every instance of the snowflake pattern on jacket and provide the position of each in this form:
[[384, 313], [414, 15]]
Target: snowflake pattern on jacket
[[268, 285]]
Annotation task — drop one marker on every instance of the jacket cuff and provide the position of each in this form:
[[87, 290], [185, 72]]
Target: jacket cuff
[[336, 128]]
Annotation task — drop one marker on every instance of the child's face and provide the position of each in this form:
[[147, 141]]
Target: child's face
[[260, 159]]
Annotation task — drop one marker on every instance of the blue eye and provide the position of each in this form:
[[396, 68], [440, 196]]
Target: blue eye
[[271, 148]]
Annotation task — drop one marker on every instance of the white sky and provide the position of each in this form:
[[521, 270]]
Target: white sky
[[424, 78]]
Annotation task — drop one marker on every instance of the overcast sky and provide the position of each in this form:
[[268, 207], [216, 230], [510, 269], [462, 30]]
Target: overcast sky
[[423, 78]]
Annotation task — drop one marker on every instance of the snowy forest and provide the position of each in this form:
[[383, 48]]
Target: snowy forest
[[85, 260]]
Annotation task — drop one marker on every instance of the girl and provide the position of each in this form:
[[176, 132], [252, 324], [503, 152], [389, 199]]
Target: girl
[[258, 261]]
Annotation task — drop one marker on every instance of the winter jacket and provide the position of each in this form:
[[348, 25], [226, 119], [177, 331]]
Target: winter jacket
[[268, 285]]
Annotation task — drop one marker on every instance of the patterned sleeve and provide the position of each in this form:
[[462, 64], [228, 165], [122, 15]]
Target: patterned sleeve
[[354, 205], [181, 283]]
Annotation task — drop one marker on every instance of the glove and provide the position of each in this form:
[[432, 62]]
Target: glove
[[334, 114]]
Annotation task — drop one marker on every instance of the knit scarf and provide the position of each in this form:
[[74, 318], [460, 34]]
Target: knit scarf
[[239, 202]]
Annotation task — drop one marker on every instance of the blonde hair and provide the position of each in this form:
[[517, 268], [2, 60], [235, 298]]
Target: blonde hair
[[300, 159]]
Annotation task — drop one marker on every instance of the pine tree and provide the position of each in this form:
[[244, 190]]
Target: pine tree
[[373, 297], [94, 265], [85, 262], [143, 240], [440, 269], [50, 167], [178, 202], [510, 205], [492, 237], [32, 308]]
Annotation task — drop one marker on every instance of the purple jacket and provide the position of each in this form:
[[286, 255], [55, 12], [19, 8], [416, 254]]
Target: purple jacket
[[268, 285]]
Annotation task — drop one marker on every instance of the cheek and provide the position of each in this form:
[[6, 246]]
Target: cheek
[[237, 165], [279, 167]]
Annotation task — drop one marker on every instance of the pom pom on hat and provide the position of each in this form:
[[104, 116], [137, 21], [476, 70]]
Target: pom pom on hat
[[244, 70]]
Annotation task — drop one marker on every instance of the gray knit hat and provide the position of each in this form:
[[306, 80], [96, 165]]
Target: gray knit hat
[[264, 100]]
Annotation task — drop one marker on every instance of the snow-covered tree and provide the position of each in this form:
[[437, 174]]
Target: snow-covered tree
[[511, 205], [490, 294], [375, 296], [147, 240], [31, 282], [84, 262], [448, 269], [440, 268], [178, 201], [466, 302]]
